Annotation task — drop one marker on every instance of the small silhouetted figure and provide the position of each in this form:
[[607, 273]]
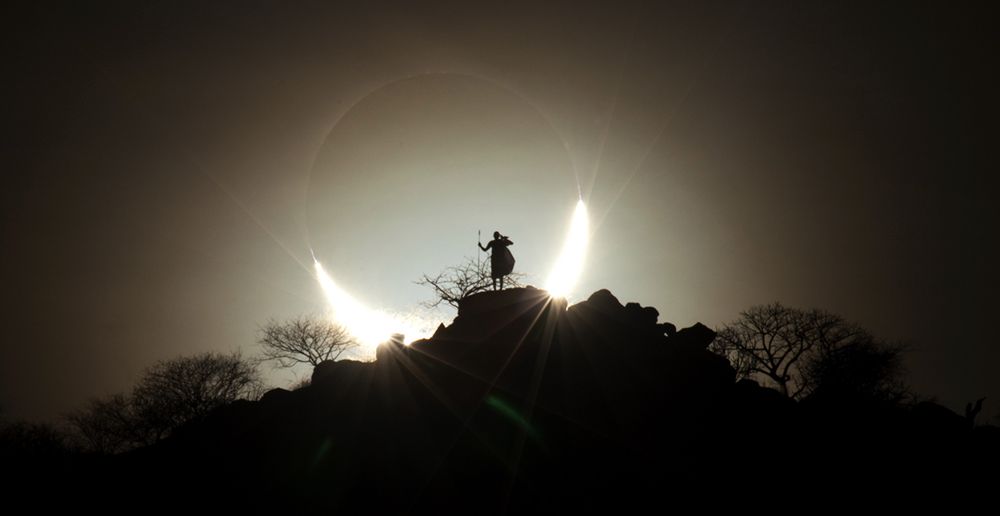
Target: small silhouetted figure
[[501, 260], [971, 412]]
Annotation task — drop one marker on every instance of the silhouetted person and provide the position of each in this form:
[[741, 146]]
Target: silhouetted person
[[501, 260], [971, 412]]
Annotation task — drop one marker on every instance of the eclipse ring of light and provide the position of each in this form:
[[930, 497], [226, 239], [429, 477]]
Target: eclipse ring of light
[[374, 326]]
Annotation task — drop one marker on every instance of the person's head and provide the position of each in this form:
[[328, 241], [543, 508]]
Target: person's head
[[496, 234]]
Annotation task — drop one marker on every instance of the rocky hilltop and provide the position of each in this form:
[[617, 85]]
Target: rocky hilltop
[[526, 403]]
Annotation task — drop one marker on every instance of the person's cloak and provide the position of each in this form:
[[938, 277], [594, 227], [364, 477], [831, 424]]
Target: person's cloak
[[501, 261]]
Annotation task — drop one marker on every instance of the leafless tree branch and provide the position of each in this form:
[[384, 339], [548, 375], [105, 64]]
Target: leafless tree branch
[[304, 340], [463, 280]]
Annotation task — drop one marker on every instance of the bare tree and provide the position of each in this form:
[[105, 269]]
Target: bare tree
[[304, 340], [178, 390], [109, 425], [461, 281], [169, 394], [776, 342]]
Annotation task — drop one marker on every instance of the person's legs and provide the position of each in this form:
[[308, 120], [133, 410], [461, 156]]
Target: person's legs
[[501, 282], [494, 283]]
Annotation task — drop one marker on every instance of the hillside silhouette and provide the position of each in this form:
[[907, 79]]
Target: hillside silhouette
[[524, 403]]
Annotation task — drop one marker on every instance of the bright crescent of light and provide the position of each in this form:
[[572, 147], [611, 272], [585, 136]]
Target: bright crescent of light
[[369, 326], [569, 266], [372, 327]]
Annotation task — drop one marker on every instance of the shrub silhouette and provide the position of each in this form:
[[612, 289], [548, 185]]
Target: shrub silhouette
[[862, 370], [458, 282]]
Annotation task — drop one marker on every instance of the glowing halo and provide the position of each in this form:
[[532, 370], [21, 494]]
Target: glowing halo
[[494, 82]]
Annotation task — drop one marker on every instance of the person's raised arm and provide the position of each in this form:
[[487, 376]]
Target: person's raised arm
[[488, 246]]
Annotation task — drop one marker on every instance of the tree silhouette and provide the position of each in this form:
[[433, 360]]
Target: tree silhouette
[[864, 369], [304, 340], [463, 280], [775, 342], [110, 425], [175, 391], [32, 441], [169, 394]]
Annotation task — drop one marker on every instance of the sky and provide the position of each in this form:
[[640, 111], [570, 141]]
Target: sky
[[170, 167]]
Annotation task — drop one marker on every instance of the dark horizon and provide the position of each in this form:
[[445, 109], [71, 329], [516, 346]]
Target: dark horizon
[[169, 169]]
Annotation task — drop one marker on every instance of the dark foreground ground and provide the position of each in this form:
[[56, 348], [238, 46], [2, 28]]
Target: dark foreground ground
[[523, 404]]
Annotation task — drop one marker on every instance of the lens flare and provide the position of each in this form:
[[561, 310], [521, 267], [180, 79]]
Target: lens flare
[[369, 326], [569, 266]]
